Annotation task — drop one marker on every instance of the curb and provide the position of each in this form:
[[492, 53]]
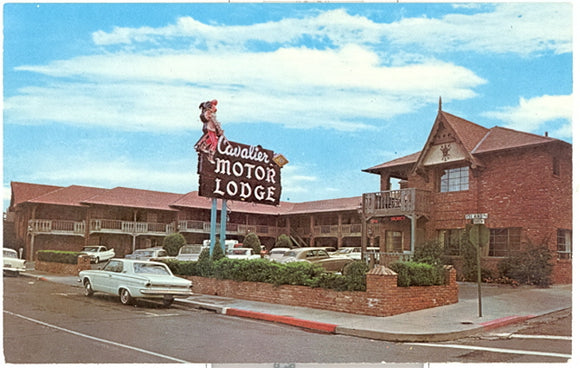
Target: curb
[[501, 322], [311, 325]]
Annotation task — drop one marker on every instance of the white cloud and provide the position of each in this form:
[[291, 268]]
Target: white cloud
[[530, 114], [335, 89]]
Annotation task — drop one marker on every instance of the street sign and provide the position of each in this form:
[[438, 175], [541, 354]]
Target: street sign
[[473, 216]]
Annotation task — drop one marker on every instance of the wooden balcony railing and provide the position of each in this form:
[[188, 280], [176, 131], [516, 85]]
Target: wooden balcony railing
[[396, 202], [192, 226], [130, 227], [61, 227]]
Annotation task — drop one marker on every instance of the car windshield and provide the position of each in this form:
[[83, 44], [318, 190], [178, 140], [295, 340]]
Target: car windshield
[[145, 253], [9, 253], [90, 249], [344, 251], [290, 253], [149, 268]]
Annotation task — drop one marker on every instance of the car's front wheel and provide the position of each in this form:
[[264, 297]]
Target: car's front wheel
[[125, 297], [88, 288]]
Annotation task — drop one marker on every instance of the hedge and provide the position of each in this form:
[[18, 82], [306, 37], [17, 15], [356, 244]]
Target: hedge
[[263, 270], [58, 256], [418, 274]]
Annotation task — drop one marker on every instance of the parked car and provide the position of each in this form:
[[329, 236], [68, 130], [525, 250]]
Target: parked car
[[13, 265], [190, 252], [242, 253], [132, 279], [354, 252], [316, 256], [98, 253], [147, 254], [277, 253]]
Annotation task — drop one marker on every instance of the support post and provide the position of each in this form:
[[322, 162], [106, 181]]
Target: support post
[[223, 219], [212, 225]]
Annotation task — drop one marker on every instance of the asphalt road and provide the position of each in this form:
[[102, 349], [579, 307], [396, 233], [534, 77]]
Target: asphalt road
[[46, 322]]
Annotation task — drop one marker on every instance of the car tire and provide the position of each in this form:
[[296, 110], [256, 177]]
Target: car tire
[[97, 260], [88, 288], [125, 297], [167, 301]]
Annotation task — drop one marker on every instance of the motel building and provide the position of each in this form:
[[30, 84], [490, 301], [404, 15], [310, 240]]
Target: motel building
[[519, 184]]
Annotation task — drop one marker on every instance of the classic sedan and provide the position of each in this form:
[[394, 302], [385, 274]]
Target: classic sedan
[[316, 256], [13, 265], [133, 279], [98, 253], [242, 253]]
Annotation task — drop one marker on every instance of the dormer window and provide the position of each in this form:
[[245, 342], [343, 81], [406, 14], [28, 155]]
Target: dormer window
[[454, 180]]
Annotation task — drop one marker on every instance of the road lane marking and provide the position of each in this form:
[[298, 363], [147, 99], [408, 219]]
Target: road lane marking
[[96, 338], [540, 337], [495, 350]]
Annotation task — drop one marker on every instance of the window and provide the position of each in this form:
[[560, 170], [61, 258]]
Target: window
[[504, 242], [394, 241], [451, 240], [564, 244], [454, 180]]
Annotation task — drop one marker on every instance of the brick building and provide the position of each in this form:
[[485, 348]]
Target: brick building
[[521, 181]]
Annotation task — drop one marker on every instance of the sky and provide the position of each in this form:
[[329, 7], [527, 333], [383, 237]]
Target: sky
[[107, 94]]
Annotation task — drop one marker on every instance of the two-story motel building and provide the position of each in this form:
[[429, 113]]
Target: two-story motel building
[[521, 183]]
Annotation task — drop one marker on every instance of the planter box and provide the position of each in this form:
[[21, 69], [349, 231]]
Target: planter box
[[383, 298]]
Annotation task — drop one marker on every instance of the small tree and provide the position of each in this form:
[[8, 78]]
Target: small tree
[[283, 241], [218, 252], [172, 243], [253, 241], [430, 252]]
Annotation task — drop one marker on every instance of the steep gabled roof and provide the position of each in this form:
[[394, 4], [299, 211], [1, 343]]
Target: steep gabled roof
[[69, 196], [475, 140], [23, 192], [135, 198], [500, 138]]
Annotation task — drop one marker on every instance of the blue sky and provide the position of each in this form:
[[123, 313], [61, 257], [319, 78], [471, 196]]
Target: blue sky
[[107, 95]]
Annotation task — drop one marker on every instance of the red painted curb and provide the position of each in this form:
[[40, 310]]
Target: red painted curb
[[320, 326], [500, 322]]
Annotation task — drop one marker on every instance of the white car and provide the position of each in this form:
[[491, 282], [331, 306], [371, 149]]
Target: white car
[[277, 253], [190, 252], [132, 279], [353, 252], [242, 253], [147, 254], [13, 265], [98, 253]]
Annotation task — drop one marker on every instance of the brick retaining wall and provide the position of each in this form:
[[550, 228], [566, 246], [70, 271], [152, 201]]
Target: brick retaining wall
[[382, 298], [63, 268]]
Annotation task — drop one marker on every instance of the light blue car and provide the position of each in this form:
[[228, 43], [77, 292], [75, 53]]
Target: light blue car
[[132, 279]]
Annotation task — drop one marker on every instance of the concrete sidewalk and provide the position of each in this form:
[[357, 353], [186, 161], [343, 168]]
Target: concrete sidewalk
[[501, 305]]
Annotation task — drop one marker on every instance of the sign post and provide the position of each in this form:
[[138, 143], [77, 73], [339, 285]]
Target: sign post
[[478, 237]]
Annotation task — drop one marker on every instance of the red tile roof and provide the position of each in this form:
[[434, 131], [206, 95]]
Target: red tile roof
[[135, 198], [69, 196], [328, 205], [22, 192]]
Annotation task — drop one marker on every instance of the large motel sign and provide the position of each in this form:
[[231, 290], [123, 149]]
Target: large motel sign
[[233, 171]]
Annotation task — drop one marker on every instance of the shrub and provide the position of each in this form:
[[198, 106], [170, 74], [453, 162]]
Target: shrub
[[355, 274], [218, 252], [430, 252], [283, 241], [172, 243], [204, 264], [253, 241], [418, 274], [58, 256], [469, 254], [532, 266]]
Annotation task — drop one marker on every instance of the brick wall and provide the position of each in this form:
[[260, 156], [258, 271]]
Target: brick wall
[[382, 298]]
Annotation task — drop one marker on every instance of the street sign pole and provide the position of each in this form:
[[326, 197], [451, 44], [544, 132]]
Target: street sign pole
[[479, 237]]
